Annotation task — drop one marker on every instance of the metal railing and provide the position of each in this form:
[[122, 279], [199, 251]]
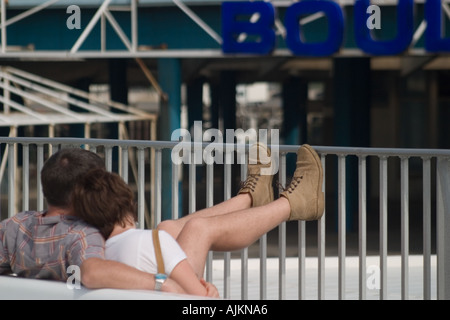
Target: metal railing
[[403, 175]]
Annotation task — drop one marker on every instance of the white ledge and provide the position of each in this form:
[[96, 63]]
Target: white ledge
[[14, 288]]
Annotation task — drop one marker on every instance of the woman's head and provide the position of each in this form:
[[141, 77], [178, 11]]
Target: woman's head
[[103, 199]]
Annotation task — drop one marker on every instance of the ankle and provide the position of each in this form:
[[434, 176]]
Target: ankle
[[245, 200], [284, 207]]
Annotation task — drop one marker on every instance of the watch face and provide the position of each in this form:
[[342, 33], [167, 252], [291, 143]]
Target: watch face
[[160, 276]]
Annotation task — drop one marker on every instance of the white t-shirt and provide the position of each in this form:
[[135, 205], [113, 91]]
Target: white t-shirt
[[134, 247]]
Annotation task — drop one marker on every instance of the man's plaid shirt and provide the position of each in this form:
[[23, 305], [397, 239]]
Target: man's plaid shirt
[[35, 246]]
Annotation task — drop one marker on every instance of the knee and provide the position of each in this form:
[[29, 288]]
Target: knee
[[197, 226]]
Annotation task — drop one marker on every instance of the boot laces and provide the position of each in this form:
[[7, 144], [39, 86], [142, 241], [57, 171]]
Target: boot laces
[[252, 180], [295, 181]]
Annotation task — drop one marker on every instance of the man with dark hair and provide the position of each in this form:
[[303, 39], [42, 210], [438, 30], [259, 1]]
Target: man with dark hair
[[42, 245], [61, 171]]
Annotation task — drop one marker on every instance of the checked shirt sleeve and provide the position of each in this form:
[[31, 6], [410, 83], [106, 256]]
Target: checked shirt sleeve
[[5, 267], [88, 243]]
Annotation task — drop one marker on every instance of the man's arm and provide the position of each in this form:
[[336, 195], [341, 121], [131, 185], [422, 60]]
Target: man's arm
[[5, 267], [97, 273]]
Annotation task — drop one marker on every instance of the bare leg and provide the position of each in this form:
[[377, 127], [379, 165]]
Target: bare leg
[[228, 232], [239, 202]]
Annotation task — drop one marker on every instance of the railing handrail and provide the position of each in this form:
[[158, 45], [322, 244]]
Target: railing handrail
[[356, 151]]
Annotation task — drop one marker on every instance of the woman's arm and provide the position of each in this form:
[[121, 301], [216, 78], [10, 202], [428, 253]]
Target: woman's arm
[[99, 273], [184, 275]]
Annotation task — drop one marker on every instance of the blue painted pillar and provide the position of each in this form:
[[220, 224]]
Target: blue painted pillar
[[352, 119], [169, 77], [294, 132]]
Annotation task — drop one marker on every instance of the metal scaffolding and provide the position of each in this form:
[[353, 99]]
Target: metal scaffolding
[[103, 16], [48, 103]]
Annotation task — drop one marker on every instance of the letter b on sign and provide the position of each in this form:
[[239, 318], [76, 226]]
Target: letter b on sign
[[248, 27]]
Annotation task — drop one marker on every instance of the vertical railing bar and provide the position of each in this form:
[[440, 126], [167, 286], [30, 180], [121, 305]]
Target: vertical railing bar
[[383, 227], [192, 182], [244, 252], [321, 244], [442, 227], [40, 164], [158, 183], [16, 175], [404, 181], [440, 252], [426, 228], [124, 164], [244, 274], [227, 195], [282, 261], [263, 267], [108, 158], [175, 190], [301, 259], [52, 148], [209, 203], [152, 181], [11, 179], [282, 238], [25, 176], [362, 177], [141, 187], [341, 226]]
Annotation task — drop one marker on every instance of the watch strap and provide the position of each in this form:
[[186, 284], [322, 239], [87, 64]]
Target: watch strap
[[160, 278]]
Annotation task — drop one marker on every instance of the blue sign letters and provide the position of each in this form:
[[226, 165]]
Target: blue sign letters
[[335, 28], [248, 27], [433, 39], [405, 27], [233, 27]]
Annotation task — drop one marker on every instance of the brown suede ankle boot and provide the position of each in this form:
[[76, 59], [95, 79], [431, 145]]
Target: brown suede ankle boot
[[305, 194], [258, 185]]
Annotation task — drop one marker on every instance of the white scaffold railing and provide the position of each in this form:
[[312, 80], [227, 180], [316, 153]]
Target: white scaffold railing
[[428, 178]]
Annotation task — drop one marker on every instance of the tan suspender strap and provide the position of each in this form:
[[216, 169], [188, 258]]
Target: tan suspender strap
[[157, 246]]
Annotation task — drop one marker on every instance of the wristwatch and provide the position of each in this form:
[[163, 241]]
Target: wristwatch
[[160, 278]]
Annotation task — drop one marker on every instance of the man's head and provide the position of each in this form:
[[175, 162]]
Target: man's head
[[62, 170]]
